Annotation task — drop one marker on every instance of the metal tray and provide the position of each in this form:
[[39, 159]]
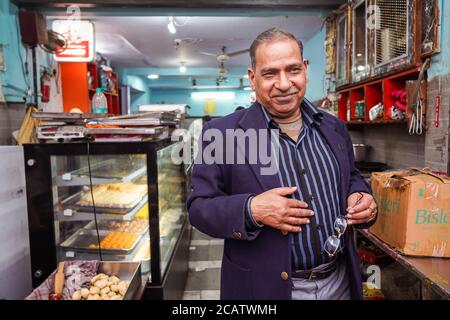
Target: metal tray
[[126, 271], [107, 170], [70, 203], [102, 226], [81, 240]]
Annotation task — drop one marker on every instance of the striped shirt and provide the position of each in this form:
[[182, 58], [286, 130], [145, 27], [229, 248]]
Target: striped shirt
[[310, 165]]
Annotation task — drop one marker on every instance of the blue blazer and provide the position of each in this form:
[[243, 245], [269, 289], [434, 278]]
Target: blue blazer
[[254, 261]]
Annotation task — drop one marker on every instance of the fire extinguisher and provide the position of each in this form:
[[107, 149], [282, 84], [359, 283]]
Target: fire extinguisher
[[45, 87]]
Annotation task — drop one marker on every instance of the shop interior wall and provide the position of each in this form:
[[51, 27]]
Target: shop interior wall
[[223, 107], [315, 53], [437, 138], [391, 144], [13, 79]]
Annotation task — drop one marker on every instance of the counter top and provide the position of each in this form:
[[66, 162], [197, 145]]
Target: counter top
[[434, 272]]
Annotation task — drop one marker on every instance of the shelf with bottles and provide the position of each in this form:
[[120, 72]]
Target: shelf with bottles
[[79, 80], [355, 102]]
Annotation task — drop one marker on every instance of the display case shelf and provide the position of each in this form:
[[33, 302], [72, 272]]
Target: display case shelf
[[80, 177], [72, 214]]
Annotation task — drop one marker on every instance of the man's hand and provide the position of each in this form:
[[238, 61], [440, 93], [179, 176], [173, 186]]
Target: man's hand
[[273, 209], [361, 208]]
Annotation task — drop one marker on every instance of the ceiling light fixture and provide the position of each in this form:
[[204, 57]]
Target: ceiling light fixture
[[153, 76], [183, 68], [171, 26]]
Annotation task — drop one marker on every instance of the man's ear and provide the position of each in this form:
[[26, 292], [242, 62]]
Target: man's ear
[[306, 64], [251, 77]]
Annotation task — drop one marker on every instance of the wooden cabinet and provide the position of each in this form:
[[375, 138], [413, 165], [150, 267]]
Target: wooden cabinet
[[79, 81], [373, 92]]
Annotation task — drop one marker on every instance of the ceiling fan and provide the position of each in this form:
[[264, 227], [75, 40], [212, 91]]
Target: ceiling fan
[[223, 56]]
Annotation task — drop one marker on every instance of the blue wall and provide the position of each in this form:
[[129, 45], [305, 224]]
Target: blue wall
[[139, 90], [440, 63], [15, 82], [315, 53], [197, 107]]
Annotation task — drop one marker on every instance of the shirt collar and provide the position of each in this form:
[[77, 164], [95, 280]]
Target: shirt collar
[[310, 115]]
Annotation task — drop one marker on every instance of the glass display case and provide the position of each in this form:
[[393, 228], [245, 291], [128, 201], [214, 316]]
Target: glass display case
[[108, 202], [342, 51], [360, 63]]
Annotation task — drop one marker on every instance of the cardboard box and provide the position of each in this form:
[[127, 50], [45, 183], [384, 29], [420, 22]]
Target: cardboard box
[[413, 211]]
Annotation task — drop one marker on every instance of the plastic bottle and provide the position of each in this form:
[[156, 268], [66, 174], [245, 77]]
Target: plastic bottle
[[99, 102]]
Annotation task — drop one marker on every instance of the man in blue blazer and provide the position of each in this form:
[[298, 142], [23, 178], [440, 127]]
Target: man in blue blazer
[[289, 231]]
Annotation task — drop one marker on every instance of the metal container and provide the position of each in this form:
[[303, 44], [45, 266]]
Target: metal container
[[361, 152], [126, 271], [83, 238]]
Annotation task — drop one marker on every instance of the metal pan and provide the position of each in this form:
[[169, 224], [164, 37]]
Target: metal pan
[[81, 240], [71, 203], [103, 225]]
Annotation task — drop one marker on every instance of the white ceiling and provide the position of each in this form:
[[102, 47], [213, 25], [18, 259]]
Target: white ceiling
[[146, 41]]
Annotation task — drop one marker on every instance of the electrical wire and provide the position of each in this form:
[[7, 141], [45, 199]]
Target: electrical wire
[[24, 73], [92, 196]]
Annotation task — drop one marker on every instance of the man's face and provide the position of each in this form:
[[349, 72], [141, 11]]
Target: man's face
[[279, 77]]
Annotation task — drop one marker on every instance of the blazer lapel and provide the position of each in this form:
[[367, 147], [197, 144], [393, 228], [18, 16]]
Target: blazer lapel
[[254, 119]]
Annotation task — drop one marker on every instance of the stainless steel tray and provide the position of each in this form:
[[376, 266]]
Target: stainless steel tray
[[71, 203], [126, 271], [108, 170], [145, 130], [81, 240], [102, 225]]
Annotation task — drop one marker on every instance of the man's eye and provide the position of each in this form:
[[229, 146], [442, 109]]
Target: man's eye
[[296, 70]]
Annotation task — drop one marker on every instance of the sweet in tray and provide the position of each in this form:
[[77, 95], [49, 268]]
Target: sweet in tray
[[135, 226], [117, 240], [114, 195]]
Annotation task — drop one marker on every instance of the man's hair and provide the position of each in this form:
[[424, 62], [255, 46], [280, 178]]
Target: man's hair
[[272, 34]]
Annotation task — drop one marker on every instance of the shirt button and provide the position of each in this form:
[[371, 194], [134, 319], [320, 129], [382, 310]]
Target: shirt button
[[319, 227], [311, 197], [285, 233], [303, 171], [284, 276]]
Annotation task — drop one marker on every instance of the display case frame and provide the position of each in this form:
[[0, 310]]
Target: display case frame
[[41, 211]]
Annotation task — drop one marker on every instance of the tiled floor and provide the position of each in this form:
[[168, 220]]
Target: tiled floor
[[205, 257]]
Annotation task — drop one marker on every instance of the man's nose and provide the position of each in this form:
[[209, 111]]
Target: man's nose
[[283, 83]]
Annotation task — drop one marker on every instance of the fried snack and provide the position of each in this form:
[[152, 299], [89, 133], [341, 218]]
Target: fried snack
[[102, 287]]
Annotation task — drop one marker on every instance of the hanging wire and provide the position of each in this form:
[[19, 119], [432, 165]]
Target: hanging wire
[[93, 201]]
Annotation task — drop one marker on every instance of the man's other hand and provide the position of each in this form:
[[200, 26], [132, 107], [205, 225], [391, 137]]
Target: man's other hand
[[273, 208], [361, 208]]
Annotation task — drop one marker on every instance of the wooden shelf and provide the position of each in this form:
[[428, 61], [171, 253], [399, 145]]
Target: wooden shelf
[[373, 92], [77, 92], [375, 122]]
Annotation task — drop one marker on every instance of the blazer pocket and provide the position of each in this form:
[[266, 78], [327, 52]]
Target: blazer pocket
[[236, 282]]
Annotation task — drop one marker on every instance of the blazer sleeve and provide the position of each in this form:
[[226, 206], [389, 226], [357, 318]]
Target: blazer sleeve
[[357, 183], [211, 209]]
